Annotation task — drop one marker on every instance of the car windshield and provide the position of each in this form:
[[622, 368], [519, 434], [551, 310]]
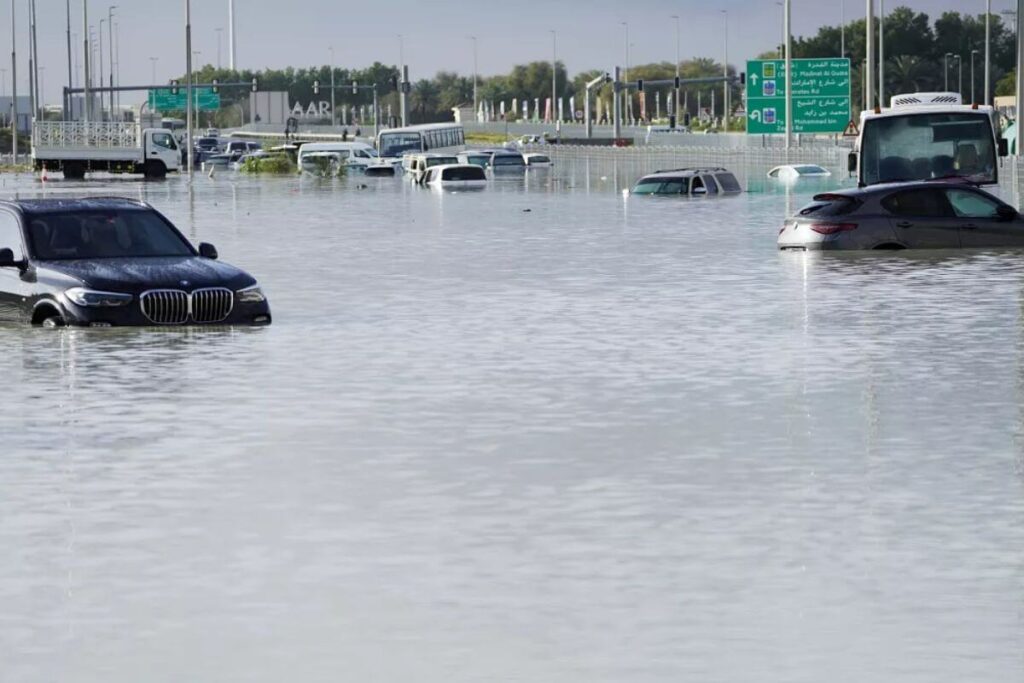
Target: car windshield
[[206, 143], [926, 146], [396, 144], [463, 173], [508, 160], [441, 161], [660, 186], [97, 234]]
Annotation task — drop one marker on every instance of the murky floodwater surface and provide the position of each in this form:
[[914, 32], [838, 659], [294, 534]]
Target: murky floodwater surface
[[534, 433]]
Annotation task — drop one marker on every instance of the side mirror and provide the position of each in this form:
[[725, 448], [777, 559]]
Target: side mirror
[[1006, 213], [7, 260], [1004, 147], [207, 250], [851, 162]]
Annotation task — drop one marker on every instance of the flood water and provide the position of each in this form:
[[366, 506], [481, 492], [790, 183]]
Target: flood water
[[535, 433]]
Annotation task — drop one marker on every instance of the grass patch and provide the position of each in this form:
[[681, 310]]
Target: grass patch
[[486, 138], [275, 165], [20, 168]]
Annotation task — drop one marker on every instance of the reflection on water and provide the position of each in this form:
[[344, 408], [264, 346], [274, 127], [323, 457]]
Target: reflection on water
[[539, 432]]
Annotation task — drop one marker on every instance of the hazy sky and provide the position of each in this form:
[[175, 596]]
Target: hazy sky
[[299, 32]]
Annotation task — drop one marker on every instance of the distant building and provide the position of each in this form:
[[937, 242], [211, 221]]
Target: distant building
[[24, 112]]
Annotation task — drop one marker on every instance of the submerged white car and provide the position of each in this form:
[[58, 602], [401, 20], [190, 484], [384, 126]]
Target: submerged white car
[[535, 159], [455, 176], [797, 171]]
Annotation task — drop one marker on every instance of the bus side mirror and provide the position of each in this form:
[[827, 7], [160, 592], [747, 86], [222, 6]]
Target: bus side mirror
[[1004, 147], [851, 162]]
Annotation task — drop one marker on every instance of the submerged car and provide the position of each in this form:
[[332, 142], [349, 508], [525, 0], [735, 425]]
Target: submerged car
[[114, 262], [798, 171], [537, 160], [695, 182], [914, 215], [456, 175], [507, 161], [477, 157]]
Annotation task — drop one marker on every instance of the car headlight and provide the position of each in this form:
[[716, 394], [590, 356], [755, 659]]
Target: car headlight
[[90, 297], [251, 295]]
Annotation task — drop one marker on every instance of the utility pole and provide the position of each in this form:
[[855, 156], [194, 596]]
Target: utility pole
[[789, 72], [188, 84], [554, 75], [68, 106], [881, 53], [231, 34], [625, 76], [476, 102], [334, 118], [725, 72], [33, 109], [945, 70], [960, 75], [100, 43], [675, 107], [219, 32], [870, 53], [988, 48], [85, 56], [13, 81], [973, 52], [35, 59], [110, 46], [617, 105], [1020, 70], [842, 28]]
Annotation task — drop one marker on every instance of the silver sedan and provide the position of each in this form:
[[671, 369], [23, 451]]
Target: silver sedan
[[914, 215]]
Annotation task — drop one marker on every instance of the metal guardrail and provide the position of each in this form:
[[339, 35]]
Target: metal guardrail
[[80, 134]]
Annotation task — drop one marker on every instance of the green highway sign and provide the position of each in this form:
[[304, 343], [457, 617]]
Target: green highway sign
[[163, 99], [821, 96]]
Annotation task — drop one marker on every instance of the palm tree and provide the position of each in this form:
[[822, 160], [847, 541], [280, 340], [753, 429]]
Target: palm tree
[[905, 73], [425, 95]]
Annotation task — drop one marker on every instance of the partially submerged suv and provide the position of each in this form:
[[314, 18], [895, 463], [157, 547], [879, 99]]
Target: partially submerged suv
[[114, 262], [694, 182]]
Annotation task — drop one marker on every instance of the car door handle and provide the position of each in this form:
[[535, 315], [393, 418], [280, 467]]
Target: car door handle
[[969, 226], [904, 224]]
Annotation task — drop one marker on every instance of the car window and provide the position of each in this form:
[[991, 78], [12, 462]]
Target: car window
[[728, 182], [674, 186], [10, 235], [830, 205], [710, 184], [774, 173], [698, 186], [925, 203], [165, 140], [967, 204]]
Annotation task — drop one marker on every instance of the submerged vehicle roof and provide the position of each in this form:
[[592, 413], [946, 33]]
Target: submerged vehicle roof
[[62, 205], [687, 172]]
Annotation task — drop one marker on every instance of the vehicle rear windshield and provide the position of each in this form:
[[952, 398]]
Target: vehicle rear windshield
[[97, 234], [508, 160], [829, 205], [472, 173], [925, 146]]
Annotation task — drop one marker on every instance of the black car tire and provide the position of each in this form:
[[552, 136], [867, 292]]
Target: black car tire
[[155, 170], [74, 170]]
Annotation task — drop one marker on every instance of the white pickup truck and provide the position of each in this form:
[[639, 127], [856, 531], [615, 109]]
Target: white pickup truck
[[76, 147]]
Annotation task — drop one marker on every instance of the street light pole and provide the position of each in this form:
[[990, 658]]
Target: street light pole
[[334, 118], [675, 107], [988, 47], [869, 43], [476, 100], [788, 46], [232, 50], [960, 75], [71, 73], [945, 70], [973, 52], [85, 56], [725, 72], [14, 86], [881, 53], [100, 43], [554, 74], [188, 84], [110, 40], [626, 100], [219, 32], [842, 28], [153, 61]]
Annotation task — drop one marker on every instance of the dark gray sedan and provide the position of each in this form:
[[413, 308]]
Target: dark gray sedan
[[914, 215]]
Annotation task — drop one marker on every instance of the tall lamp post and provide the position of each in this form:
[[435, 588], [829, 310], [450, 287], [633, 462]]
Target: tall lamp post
[[334, 117], [960, 74], [188, 85], [881, 53], [554, 75], [725, 72], [220, 33], [14, 86], [973, 52], [476, 101], [988, 47], [675, 105], [945, 70], [110, 47], [627, 100], [153, 61], [99, 43]]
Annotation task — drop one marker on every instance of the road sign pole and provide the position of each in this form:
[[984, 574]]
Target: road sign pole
[[789, 75]]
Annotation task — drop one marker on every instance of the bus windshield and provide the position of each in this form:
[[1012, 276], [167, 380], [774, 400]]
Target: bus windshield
[[926, 146], [397, 144]]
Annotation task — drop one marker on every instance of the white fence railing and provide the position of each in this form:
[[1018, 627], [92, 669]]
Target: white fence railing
[[81, 134]]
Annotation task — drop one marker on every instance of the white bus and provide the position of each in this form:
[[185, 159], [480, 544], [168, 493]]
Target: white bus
[[394, 143]]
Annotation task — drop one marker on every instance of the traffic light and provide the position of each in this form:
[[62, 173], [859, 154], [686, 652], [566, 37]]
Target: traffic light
[[174, 87], [216, 86], [316, 87], [255, 84], [677, 83], [394, 82], [743, 78], [640, 85]]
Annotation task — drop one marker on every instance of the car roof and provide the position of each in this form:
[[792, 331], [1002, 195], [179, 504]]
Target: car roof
[[886, 188], [685, 172], [445, 167], [39, 206]]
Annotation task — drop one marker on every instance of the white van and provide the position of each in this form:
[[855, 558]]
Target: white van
[[455, 175], [350, 154]]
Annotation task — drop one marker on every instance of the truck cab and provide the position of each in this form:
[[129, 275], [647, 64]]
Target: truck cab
[[927, 136]]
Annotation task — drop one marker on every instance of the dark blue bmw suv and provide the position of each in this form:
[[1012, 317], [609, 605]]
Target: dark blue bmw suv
[[102, 262]]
